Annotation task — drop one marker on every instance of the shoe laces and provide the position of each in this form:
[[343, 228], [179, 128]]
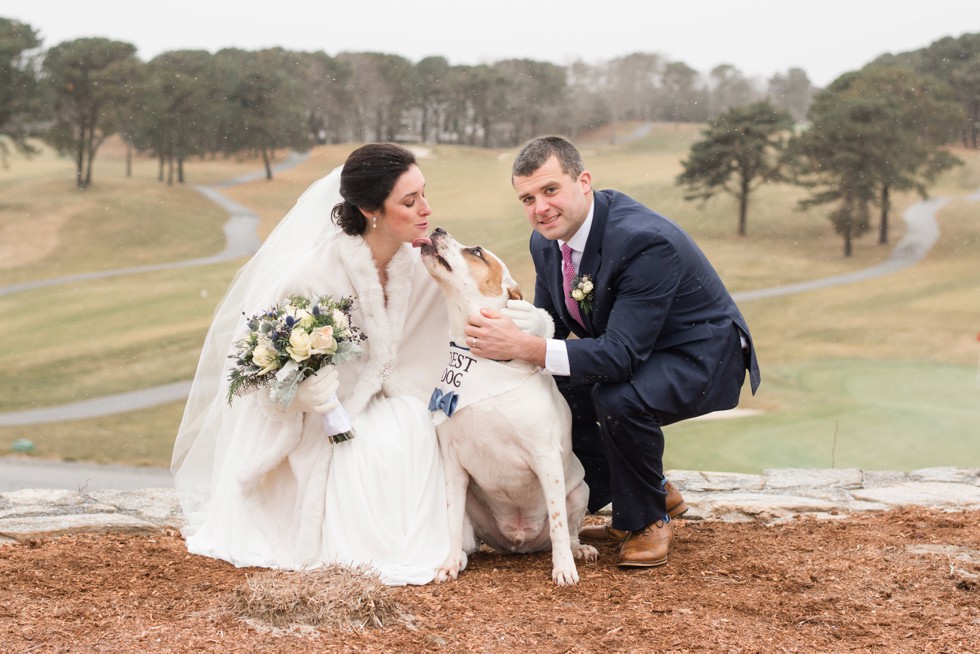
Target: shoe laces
[[654, 525]]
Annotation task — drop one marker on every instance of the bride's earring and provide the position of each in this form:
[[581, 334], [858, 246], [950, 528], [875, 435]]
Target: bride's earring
[[374, 221]]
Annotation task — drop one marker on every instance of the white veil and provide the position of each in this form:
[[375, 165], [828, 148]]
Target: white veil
[[201, 442]]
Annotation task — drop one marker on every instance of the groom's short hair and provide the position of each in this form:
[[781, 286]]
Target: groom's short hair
[[537, 152]]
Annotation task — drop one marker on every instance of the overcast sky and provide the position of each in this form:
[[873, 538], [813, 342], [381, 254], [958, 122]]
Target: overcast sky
[[759, 37]]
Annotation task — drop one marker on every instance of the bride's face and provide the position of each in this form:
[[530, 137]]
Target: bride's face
[[406, 211]]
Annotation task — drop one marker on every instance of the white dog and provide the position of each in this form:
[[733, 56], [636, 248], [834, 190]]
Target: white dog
[[505, 431]]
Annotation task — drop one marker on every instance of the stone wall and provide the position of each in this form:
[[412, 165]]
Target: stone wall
[[771, 497]]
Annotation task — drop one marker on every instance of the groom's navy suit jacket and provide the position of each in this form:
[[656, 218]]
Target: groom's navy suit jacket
[[660, 317]]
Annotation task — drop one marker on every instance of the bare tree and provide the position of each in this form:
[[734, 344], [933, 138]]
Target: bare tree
[[728, 88], [328, 101], [792, 92], [681, 94]]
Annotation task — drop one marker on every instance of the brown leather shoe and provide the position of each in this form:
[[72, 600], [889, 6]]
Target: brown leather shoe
[[648, 547], [605, 533], [676, 506]]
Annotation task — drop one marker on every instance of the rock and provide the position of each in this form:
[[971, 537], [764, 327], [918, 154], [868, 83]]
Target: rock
[[775, 496], [27, 528], [27, 514], [947, 475], [930, 494], [810, 478], [158, 505], [715, 481]]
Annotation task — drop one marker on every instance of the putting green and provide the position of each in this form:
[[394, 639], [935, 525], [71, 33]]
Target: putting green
[[875, 415]]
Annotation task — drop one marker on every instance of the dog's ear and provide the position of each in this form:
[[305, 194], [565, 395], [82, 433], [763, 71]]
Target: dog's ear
[[514, 293]]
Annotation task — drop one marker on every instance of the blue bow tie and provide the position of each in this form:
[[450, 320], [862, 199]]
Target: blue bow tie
[[445, 401]]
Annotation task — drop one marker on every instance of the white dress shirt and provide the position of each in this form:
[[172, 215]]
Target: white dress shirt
[[556, 354]]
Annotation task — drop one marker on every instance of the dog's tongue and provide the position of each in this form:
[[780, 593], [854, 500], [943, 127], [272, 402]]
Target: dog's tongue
[[420, 241]]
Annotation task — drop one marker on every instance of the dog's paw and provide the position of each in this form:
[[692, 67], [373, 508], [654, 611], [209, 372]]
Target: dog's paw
[[585, 553], [451, 567], [564, 576], [563, 571], [445, 574]]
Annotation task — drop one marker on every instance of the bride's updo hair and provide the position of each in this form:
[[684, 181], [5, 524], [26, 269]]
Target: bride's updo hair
[[366, 181]]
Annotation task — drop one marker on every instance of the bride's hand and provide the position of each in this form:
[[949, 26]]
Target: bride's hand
[[318, 392]]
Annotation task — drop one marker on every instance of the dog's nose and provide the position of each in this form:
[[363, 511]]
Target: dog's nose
[[440, 231]]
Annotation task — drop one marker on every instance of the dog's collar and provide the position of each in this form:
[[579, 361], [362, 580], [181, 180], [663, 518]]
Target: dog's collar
[[468, 379]]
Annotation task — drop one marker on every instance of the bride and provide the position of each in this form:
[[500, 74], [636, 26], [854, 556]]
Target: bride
[[263, 486]]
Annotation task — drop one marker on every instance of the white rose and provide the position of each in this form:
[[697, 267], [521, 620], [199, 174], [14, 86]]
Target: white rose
[[340, 320], [305, 318], [578, 295], [587, 287], [265, 357], [322, 341], [299, 345]]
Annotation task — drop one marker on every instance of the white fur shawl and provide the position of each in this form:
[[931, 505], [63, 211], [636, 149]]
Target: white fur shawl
[[406, 345]]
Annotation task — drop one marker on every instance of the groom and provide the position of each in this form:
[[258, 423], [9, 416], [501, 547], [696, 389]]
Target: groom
[[659, 338]]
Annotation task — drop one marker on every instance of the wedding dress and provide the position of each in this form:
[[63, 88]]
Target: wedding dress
[[262, 487]]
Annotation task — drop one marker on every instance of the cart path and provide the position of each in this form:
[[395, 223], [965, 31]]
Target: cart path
[[921, 233], [241, 239]]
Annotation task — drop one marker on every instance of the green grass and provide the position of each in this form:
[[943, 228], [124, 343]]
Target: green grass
[[89, 339], [878, 374], [876, 415], [143, 437]]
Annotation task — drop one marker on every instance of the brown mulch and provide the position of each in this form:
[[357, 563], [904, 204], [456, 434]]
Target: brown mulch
[[901, 581]]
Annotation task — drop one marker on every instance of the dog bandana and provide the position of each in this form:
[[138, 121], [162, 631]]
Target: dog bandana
[[468, 379]]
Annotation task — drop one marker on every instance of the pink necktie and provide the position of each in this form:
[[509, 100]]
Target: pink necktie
[[568, 273]]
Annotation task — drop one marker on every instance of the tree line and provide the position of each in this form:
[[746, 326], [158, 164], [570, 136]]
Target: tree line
[[192, 102], [871, 132]]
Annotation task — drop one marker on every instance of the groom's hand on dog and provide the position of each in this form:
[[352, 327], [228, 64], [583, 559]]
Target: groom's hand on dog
[[494, 336]]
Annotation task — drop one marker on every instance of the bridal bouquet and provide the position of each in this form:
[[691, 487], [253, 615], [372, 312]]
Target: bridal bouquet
[[290, 341]]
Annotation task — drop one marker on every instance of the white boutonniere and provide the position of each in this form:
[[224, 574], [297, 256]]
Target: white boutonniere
[[582, 292]]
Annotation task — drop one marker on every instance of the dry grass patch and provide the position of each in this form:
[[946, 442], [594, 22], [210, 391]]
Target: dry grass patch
[[271, 200], [335, 596]]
